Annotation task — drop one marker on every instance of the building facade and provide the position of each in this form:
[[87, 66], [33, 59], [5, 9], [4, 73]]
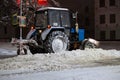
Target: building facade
[[85, 9], [107, 19], [99, 18]]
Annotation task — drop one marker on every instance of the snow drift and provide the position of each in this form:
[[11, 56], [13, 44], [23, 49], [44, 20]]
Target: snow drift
[[56, 61]]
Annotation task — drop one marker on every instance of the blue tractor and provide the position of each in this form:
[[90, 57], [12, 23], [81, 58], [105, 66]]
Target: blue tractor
[[53, 32]]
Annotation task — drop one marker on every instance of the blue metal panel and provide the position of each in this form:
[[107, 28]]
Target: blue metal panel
[[72, 30], [81, 33]]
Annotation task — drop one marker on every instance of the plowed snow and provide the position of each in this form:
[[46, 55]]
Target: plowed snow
[[57, 61]]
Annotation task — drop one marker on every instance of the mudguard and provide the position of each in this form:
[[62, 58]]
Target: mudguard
[[95, 42], [47, 31], [82, 47], [30, 34], [44, 34]]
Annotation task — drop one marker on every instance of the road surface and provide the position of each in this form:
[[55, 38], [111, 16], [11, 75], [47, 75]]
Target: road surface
[[93, 73], [96, 64]]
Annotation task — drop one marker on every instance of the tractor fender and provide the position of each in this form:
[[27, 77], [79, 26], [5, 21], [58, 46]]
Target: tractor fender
[[31, 33], [93, 41], [83, 44], [45, 33]]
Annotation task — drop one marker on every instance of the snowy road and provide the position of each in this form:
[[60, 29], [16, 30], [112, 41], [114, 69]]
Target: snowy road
[[90, 64], [94, 73]]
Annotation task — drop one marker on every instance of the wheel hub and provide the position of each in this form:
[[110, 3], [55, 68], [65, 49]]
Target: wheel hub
[[58, 45]]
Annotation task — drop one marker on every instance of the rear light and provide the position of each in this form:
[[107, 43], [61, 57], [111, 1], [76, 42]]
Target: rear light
[[48, 26], [32, 27]]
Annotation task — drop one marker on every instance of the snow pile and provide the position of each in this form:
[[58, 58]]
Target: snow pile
[[57, 61]]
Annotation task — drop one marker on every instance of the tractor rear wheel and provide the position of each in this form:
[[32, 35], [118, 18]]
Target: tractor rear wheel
[[89, 45], [56, 42]]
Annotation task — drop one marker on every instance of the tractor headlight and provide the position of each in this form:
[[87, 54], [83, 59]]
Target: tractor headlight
[[40, 31]]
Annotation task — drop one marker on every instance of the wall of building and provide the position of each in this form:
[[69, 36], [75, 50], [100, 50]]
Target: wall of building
[[85, 9], [110, 29], [6, 32], [86, 15], [89, 12]]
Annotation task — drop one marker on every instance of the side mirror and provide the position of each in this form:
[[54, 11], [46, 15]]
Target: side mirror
[[74, 15]]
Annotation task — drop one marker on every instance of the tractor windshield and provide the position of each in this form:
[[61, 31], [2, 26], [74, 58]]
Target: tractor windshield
[[65, 19], [59, 18], [54, 18]]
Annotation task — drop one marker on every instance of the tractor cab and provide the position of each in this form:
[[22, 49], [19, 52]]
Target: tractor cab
[[50, 17]]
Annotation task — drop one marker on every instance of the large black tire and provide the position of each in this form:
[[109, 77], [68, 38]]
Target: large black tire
[[35, 49], [25, 51], [56, 41], [87, 44]]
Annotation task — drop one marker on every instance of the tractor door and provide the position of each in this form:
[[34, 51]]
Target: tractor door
[[41, 19]]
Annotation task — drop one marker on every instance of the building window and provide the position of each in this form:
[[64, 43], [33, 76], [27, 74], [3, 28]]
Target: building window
[[112, 35], [102, 3], [102, 19], [112, 2], [112, 18], [102, 35]]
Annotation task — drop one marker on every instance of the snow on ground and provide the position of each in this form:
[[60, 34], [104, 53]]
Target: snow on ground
[[57, 61], [68, 65], [94, 73]]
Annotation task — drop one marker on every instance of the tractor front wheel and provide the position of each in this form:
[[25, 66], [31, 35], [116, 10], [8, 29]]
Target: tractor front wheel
[[57, 41]]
